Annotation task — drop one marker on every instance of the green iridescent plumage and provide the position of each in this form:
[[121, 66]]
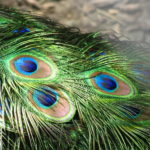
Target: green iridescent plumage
[[61, 89]]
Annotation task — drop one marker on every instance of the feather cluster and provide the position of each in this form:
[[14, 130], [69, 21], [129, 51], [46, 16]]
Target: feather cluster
[[65, 90]]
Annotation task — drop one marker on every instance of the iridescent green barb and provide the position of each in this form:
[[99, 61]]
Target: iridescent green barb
[[64, 90]]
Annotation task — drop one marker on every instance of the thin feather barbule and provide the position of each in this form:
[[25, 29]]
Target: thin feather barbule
[[63, 89]]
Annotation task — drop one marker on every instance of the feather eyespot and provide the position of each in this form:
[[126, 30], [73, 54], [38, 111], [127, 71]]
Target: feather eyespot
[[137, 113], [131, 112], [32, 67], [53, 104], [21, 30], [108, 83]]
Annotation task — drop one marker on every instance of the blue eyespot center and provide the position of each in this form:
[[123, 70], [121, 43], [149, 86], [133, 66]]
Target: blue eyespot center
[[132, 112], [21, 30], [45, 98], [106, 82], [26, 65]]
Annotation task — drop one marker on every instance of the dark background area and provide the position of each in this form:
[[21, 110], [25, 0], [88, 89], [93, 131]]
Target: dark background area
[[125, 18]]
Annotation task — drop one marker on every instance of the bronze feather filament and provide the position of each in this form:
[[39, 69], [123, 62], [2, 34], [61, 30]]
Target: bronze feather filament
[[65, 90]]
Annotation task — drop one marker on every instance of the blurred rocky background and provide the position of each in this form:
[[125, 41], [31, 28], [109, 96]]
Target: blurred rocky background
[[125, 18]]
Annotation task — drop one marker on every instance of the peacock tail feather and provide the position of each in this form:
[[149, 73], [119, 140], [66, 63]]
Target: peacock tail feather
[[66, 90]]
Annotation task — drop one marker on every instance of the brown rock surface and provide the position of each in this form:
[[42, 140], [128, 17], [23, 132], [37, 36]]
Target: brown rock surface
[[129, 18]]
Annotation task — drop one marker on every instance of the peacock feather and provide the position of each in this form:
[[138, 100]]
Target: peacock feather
[[65, 90]]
